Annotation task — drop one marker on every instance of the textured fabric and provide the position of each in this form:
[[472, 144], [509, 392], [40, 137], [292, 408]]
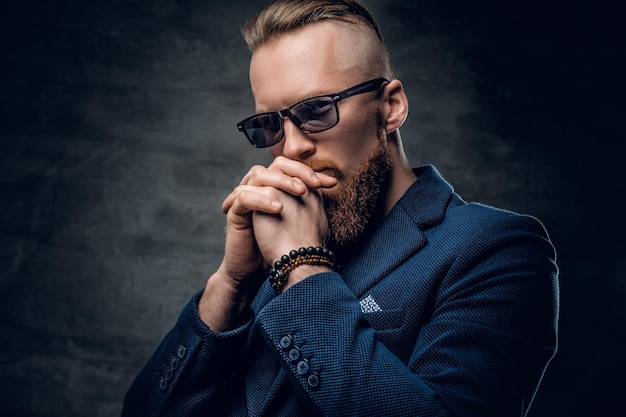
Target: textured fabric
[[449, 309]]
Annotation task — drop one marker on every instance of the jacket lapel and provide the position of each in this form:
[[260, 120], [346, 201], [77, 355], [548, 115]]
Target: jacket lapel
[[400, 235]]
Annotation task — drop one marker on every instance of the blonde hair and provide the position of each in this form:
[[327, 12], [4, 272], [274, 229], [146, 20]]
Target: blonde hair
[[284, 16]]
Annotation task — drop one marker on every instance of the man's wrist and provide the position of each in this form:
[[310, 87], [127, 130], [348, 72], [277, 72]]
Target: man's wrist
[[320, 257], [221, 306]]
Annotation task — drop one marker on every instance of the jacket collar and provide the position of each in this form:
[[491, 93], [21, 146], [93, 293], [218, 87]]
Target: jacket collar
[[401, 233]]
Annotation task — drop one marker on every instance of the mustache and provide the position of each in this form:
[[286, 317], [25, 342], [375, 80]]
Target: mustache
[[325, 165]]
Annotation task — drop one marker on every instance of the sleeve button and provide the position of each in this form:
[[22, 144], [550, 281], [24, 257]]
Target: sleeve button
[[294, 354], [168, 373], [285, 342], [174, 363], [163, 383], [182, 350], [302, 367], [313, 380]]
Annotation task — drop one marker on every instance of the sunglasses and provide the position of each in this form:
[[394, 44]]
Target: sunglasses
[[312, 115]]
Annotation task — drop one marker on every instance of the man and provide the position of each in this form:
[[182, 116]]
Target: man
[[426, 306]]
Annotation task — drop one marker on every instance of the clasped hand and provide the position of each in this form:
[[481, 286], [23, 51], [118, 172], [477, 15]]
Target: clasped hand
[[272, 211]]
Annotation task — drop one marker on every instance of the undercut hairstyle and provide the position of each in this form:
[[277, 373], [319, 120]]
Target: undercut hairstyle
[[284, 16]]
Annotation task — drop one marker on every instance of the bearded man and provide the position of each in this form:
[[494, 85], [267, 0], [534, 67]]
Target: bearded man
[[387, 293]]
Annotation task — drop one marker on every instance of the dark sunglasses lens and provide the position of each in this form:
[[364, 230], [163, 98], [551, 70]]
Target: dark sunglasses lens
[[264, 130], [316, 115]]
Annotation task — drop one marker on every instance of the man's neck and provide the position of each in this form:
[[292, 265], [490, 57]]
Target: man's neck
[[402, 176]]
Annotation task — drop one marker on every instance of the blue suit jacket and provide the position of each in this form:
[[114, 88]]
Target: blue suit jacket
[[449, 309]]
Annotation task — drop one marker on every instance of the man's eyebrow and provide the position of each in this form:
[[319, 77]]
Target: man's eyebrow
[[318, 93], [309, 95]]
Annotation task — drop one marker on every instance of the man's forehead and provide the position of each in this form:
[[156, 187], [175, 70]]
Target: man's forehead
[[317, 59]]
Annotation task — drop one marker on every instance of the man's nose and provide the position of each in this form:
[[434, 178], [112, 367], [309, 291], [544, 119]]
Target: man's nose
[[297, 145]]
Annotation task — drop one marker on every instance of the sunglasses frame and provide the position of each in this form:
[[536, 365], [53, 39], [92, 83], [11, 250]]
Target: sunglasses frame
[[365, 87]]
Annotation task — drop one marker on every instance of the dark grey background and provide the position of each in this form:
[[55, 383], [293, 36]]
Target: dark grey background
[[118, 146]]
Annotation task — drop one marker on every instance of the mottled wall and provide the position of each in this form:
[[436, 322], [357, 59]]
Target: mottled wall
[[118, 146]]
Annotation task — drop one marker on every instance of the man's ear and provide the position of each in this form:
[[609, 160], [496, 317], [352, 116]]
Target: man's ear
[[395, 105]]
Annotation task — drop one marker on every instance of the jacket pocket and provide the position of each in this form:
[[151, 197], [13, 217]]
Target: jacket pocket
[[385, 319]]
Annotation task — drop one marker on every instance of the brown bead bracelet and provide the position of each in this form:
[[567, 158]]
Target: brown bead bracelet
[[303, 256]]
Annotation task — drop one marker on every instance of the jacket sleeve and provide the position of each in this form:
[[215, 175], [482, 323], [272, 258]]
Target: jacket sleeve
[[184, 376], [482, 350]]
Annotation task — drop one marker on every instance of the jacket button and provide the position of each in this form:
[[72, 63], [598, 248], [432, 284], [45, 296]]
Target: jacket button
[[294, 354], [313, 380], [182, 350], [302, 367], [168, 373], [285, 342], [163, 383], [174, 363]]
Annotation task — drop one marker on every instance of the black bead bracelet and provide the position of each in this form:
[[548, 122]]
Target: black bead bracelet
[[303, 256]]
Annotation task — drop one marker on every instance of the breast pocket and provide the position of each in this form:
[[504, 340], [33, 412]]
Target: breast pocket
[[385, 319]]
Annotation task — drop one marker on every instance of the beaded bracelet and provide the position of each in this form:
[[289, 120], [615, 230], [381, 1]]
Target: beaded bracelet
[[303, 256]]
